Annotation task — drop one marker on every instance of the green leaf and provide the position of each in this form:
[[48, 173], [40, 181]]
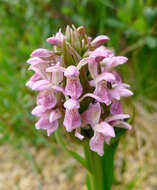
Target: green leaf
[[140, 25], [151, 41], [75, 155]]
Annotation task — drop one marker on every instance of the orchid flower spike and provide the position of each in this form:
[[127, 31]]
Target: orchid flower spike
[[79, 87]]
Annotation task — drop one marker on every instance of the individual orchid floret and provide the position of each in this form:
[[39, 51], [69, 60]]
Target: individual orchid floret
[[73, 86], [56, 73], [96, 56], [47, 99], [120, 90], [110, 63], [56, 40], [44, 124], [72, 119], [117, 120], [102, 132], [99, 40]]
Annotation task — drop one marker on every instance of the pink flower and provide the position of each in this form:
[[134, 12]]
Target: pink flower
[[42, 53], [120, 90], [47, 99], [92, 114], [102, 132], [78, 85], [56, 40], [111, 62], [48, 121], [102, 92], [32, 80], [57, 73], [116, 108], [73, 86], [117, 120], [99, 40], [72, 119]]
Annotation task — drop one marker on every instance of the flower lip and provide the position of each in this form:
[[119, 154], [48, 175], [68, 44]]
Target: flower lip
[[71, 71], [105, 129], [72, 104]]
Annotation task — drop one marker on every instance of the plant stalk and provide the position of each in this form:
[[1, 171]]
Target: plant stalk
[[101, 167]]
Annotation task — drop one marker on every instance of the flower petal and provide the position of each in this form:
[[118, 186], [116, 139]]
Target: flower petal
[[105, 129], [41, 85], [71, 71], [116, 108], [36, 60], [73, 87], [41, 52], [47, 99], [97, 143], [54, 126], [72, 119], [99, 40], [78, 134], [117, 117], [38, 110], [105, 76], [122, 124], [92, 114], [71, 104], [54, 115]]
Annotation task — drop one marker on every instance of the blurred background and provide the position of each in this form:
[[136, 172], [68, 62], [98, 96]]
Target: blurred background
[[31, 160]]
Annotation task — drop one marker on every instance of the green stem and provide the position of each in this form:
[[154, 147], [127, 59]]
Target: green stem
[[75, 155], [101, 175]]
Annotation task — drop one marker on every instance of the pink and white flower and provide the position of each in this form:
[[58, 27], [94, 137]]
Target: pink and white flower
[[79, 87]]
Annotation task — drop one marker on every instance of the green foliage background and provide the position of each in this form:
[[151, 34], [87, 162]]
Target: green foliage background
[[24, 26]]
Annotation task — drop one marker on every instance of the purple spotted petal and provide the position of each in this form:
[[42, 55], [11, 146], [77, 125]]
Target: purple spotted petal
[[73, 87], [116, 108], [54, 115], [54, 126], [97, 143], [103, 93], [92, 114], [105, 129], [72, 119], [47, 99]]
